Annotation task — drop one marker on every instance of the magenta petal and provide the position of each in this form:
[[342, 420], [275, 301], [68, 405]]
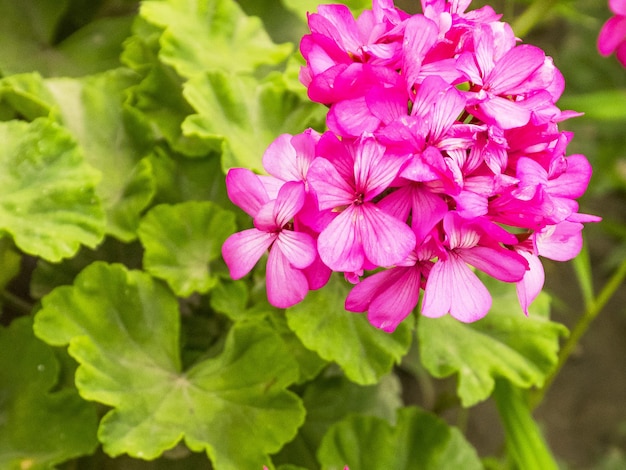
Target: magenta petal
[[502, 264], [298, 248], [560, 242], [289, 202], [613, 32], [504, 112], [419, 36], [514, 68], [338, 244], [351, 118], [397, 301], [242, 250], [530, 286], [453, 287], [286, 285], [573, 182], [618, 7], [279, 159], [330, 188], [246, 190], [386, 240]]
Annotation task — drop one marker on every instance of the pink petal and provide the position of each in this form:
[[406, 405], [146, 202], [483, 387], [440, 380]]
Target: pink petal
[[330, 188], [286, 285], [351, 118], [504, 112], [386, 240], [246, 190], [242, 250], [573, 182], [530, 286], [298, 248], [394, 304], [613, 33], [289, 202], [514, 68], [279, 159], [453, 288], [560, 242], [338, 244], [502, 264], [419, 36], [618, 7], [373, 170]]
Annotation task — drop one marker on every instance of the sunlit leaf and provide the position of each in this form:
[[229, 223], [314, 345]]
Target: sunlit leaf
[[242, 117], [123, 329], [180, 242], [47, 198], [504, 344], [418, 440], [210, 35], [40, 427], [364, 352]]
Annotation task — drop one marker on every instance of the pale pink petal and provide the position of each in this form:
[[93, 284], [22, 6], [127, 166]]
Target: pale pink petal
[[445, 112], [452, 287], [246, 190], [279, 159], [419, 36], [338, 244], [618, 7], [286, 285], [386, 240], [242, 250], [560, 242], [298, 248], [373, 170], [530, 286]]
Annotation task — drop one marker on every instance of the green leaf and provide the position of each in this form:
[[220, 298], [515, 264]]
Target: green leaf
[[211, 35], [39, 427], [47, 198], [603, 105], [503, 344], [302, 7], [123, 329], [116, 140], [181, 241], [324, 326], [31, 28], [418, 440], [330, 399], [242, 117]]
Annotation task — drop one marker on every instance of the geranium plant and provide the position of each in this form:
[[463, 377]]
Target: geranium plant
[[223, 250]]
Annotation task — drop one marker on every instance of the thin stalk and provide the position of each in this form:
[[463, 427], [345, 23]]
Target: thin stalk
[[532, 16], [524, 442], [16, 302], [591, 312]]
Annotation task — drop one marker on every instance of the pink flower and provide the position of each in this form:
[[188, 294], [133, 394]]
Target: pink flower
[[452, 287], [346, 182], [612, 37], [290, 251]]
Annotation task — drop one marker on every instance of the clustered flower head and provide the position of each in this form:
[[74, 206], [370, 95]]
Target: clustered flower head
[[612, 36], [442, 156]]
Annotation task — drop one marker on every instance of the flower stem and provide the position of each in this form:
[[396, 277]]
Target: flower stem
[[524, 441], [591, 312], [532, 16]]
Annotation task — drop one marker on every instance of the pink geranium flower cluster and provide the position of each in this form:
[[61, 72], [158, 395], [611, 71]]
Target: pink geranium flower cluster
[[443, 156], [612, 36]]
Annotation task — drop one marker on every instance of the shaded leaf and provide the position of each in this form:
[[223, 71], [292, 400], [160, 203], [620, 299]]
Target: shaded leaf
[[182, 240], [418, 440], [123, 329], [39, 427], [47, 198], [364, 352], [503, 344]]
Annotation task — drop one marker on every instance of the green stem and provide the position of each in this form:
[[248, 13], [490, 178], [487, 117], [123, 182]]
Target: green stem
[[591, 312], [16, 302], [524, 441], [532, 16]]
